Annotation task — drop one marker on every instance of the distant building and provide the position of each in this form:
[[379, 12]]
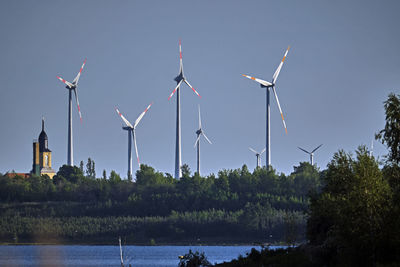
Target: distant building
[[14, 174], [42, 156]]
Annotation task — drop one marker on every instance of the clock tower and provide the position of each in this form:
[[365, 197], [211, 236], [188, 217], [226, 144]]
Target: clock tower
[[42, 155]]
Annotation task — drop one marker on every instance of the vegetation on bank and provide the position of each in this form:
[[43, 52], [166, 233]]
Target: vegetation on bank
[[236, 206]]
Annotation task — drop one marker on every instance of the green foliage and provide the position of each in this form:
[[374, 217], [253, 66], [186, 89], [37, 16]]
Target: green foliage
[[193, 259], [390, 135], [81, 166], [90, 168], [251, 205], [185, 171], [348, 220], [115, 178], [71, 174], [266, 257]]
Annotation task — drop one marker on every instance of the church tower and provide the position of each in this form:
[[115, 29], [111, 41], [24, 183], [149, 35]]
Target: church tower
[[42, 155]]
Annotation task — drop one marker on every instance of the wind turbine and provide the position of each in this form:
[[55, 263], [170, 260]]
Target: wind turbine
[[179, 79], [132, 135], [371, 152], [199, 132], [268, 86], [311, 153], [258, 156], [72, 87]]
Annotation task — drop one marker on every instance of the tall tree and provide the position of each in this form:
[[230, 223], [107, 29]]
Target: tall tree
[[349, 217], [390, 135], [90, 168], [81, 166]]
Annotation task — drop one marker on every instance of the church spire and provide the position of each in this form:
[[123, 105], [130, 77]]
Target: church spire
[[43, 123]]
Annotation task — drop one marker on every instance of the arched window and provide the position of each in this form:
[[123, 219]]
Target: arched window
[[46, 160]]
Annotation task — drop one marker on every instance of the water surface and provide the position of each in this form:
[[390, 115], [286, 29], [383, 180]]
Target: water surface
[[52, 255], [56, 255]]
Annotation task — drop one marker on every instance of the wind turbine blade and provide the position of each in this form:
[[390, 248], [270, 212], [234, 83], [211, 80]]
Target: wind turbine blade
[[123, 118], [141, 115], [134, 142], [280, 110], [192, 88], [262, 151], [199, 118], [70, 85], [77, 103], [197, 140], [316, 148], [180, 57], [278, 70], [303, 150], [206, 138], [265, 83], [173, 92], [253, 150], [79, 73]]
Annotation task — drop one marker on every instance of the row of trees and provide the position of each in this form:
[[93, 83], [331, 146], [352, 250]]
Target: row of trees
[[230, 185]]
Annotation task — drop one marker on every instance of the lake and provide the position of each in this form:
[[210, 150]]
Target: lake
[[52, 255]]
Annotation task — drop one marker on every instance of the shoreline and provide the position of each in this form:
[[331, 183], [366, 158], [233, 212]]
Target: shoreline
[[147, 245]]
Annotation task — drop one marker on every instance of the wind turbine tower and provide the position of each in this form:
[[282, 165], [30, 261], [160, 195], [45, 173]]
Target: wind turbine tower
[[269, 86], [371, 152], [72, 87], [311, 153], [179, 79], [258, 156], [199, 132], [132, 136]]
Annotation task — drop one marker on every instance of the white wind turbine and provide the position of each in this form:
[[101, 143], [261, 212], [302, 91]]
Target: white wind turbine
[[311, 153], [371, 152], [258, 156], [179, 79], [132, 135], [199, 132], [72, 87], [268, 86]]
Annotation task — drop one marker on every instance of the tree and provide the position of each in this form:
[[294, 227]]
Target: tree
[[114, 177], [348, 219], [305, 178], [185, 170], [193, 259], [81, 166], [147, 176], [390, 135], [90, 169], [104, 175], [71, 173]]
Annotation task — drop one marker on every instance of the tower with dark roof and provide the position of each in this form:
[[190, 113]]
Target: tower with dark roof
[[42, 155]]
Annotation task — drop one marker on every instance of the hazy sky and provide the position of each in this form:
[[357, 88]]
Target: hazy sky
[[343, 63]]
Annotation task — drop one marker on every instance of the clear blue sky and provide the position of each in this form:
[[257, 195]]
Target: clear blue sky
[[343, 63]]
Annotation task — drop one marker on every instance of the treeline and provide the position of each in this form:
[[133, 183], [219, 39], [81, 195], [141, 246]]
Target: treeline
[[229, 190], [234, 205]]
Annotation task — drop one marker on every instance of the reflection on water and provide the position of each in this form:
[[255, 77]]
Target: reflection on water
[[109, 255]]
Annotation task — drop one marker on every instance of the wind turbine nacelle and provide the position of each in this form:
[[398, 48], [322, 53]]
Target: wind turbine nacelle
[[126, 128], [263, 86], [198, 131], [179, 77]]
